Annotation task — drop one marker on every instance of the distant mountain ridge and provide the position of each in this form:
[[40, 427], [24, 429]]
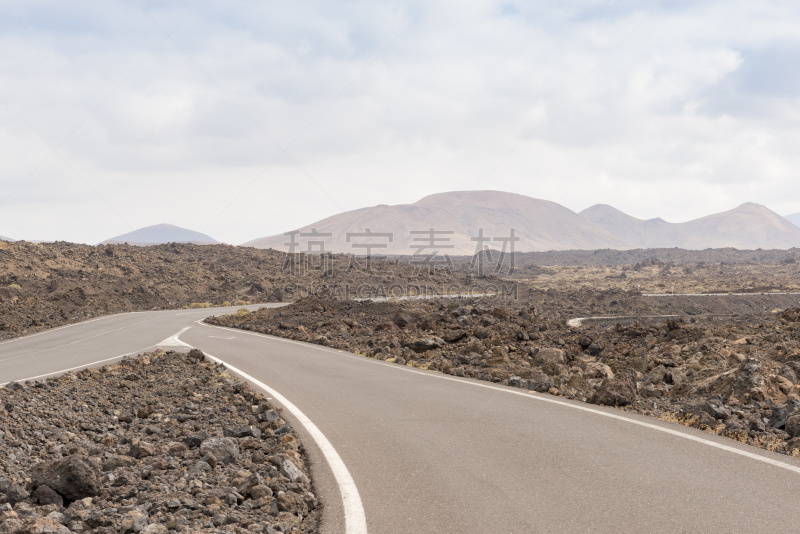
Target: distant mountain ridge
[[749, 226], [540, 225], [3, 238], [794, 218], [161, 233]]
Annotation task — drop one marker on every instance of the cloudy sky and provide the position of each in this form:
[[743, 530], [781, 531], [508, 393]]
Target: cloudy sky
[[245, 119]]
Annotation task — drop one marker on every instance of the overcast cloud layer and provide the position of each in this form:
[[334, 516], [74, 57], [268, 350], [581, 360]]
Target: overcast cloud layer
[[245, 119]]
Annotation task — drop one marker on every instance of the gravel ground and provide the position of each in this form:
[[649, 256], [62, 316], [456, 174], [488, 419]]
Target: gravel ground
[[166, 442]]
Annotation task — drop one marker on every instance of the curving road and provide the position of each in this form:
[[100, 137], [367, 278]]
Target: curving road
[[427, 452]]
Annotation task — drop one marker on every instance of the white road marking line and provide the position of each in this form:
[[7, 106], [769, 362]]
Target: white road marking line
[[125, 313], [355, 518], [29, 353], [671, 431], [578, 321], [173, 341], [225, 338], [714, 294], [84, 366], [66, 326]]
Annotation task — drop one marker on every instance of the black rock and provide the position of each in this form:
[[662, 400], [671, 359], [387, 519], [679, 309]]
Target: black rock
[[225, 450], [779, 417], [617, 391], [756, 425], [74, 477], [196, 356], [247, 431], [285, 429], [195, 439], [716, 409], [11, 492], [541, 383], [596, 348], [44, 494], [269, 416]]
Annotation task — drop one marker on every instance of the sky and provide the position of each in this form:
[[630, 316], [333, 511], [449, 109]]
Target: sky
[[246, 119]]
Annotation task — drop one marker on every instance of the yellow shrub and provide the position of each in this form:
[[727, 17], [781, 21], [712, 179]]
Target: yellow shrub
[[242, 312]]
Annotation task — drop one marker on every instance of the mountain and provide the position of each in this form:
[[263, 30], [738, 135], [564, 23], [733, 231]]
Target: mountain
[[161, 233], [540, 225], [749, 226], [794, 218], [3, 238]]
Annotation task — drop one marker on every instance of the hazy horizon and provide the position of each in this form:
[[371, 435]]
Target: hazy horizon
[[137, 236]]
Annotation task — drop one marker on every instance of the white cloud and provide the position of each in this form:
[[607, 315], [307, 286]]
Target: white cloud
[[643, 121]]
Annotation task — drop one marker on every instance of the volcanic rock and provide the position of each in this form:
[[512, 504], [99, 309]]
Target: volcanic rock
[[617, 391], [69, 430], [549, 354], [425, 344], [225, 450], [44, 494], [74, 477]]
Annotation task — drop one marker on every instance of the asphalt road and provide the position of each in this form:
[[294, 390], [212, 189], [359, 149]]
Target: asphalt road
[[433, 453]]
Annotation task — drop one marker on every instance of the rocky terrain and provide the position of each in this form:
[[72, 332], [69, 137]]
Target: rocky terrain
[[610, 257], [644, 271], [47, 285], [659, 276], [726, 364], [165, 442]]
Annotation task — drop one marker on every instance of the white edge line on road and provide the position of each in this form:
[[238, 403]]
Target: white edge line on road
[[84, 366], [672, 431], [66, 326], [354, 517], [578, 321], [714, 294]]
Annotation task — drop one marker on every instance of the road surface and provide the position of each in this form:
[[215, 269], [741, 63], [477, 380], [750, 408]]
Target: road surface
[[433, 453]]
